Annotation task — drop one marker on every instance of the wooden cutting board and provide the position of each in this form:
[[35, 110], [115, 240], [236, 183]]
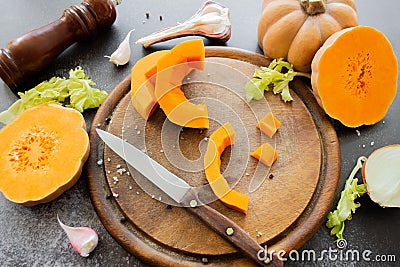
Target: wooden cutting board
[[284, 211]]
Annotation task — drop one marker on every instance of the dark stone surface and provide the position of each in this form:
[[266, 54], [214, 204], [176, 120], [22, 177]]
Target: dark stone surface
[[32, 236]]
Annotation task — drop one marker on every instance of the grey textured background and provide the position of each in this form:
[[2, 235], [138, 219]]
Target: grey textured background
[[32, 237]]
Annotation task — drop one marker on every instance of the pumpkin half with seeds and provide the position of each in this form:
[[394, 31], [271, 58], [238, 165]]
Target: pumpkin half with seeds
[[354, 76], [296, 29], [42, 153]]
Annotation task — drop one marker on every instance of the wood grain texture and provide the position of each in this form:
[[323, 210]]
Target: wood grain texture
[[283, 213]]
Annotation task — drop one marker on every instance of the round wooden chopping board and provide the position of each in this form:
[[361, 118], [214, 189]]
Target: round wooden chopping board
[[284, 211]]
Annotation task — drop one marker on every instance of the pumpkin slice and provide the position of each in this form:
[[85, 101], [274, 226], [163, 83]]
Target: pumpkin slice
[[142, 84], [171, 69], [266, 154], [269, 124], [218, 141], [354, 76], [43, 156]]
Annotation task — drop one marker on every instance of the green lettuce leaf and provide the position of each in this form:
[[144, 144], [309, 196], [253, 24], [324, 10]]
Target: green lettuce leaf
[[346, 205], [76, 92], [276, 77]]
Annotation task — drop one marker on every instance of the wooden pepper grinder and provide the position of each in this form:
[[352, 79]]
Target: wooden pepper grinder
[[33, 51]]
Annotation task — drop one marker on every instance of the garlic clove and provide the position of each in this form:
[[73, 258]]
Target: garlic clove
[[122, 55], [83, 239], [211, 21]]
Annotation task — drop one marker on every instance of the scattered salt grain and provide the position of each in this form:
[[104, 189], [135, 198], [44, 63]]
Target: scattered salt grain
[[100, 162], [118, 166], [372, 143], [121, 171], [358, 132], [115, 195]]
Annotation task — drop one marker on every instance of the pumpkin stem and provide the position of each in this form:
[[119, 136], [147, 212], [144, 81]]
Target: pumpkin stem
[[313, 7]]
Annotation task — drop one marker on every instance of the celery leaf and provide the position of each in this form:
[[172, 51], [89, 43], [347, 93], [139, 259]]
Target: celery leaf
[[346, 205], [276, 76], [76, 92]]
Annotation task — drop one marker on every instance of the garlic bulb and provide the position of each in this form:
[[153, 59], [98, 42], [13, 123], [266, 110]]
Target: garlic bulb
[[83, 239], [211, 21], [122, 55]]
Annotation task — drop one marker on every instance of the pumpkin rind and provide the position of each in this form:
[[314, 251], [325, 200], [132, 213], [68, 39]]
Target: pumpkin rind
[[354, 76], [286, 31], [45, 151]]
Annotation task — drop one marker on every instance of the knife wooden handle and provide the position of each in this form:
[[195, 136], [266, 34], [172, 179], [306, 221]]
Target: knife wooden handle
[[230, 231], [33, 51]]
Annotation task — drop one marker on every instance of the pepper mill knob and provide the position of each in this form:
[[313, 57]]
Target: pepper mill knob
[[33, 51]]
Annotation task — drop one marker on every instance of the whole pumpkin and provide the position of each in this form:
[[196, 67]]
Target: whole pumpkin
[[296, 29]]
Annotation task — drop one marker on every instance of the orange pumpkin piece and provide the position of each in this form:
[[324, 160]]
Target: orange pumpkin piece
[[269, 124], [266, 154], [218, 141], [171, 69], [142, 84], [42, 153], [354, 76]]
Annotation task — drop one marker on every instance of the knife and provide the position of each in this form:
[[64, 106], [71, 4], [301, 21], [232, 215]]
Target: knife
[[186, 196]]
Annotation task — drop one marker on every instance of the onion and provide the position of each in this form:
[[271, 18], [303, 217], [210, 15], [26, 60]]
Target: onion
[[381, 175]]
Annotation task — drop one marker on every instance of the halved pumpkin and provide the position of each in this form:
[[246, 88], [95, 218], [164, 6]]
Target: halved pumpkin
[[218, 141], [171, 69], [142, 84], [354, 76], [42, 153]]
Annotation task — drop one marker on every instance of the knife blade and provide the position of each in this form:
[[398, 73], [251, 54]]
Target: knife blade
[[186, 196]]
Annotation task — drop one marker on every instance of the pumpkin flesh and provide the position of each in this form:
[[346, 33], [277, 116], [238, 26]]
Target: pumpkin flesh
[[218, 142], [44, 154], [354, 76], [142, 84], [266, 154], [171, 69], [269, 124]]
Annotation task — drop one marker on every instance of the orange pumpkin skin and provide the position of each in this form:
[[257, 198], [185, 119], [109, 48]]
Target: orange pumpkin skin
[[295, 29], [354, 76], [45, 151]]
